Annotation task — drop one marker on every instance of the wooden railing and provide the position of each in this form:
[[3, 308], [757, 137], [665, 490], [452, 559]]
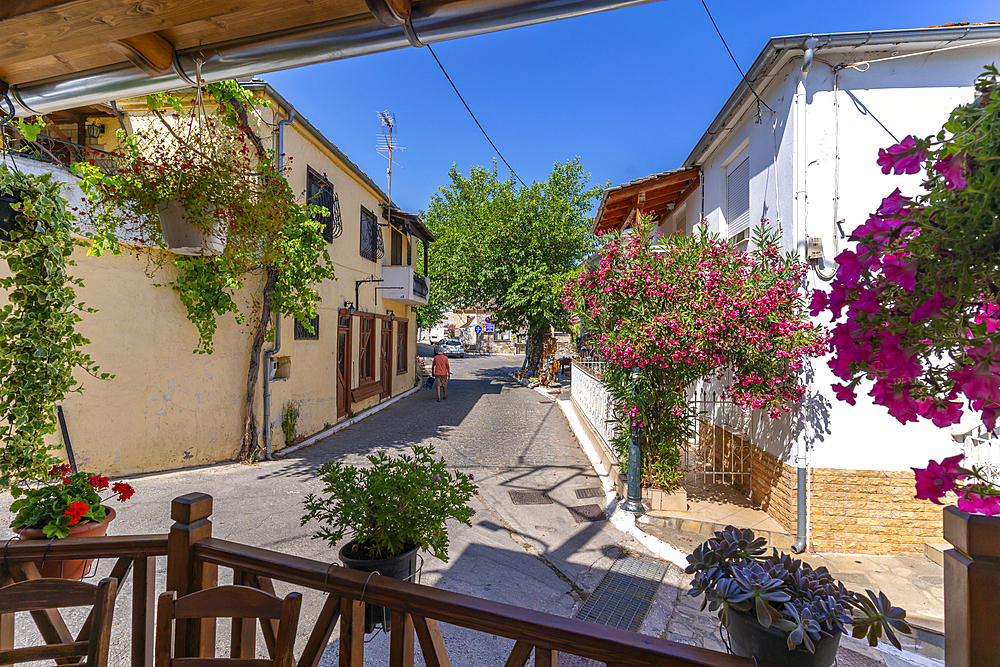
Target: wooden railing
[[133, 554], [193, 559]]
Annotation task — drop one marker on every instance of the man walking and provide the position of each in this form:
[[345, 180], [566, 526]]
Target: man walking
[[442, 371]]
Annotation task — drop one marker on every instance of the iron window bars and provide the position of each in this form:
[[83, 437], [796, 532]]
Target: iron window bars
[[303, 333], [320, 192], [372, 247]]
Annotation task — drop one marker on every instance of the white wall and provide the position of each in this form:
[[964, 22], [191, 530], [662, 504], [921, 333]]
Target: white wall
[[912, 95]]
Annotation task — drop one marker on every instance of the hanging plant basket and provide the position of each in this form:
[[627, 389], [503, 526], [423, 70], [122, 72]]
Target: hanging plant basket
[[181, 236], [7, 221]]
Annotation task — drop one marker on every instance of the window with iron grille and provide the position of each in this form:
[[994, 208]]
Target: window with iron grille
[[402, 353], [302, 331], [371, 236], [366, 352], [320, 192]]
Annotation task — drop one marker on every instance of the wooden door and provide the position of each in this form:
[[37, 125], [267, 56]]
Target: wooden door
[[385, 373], [343, 363]]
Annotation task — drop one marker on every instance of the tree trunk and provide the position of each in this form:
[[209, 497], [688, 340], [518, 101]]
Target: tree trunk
[[250, 440], [535, 350]]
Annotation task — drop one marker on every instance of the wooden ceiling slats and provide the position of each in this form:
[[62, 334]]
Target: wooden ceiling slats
[[657, 195], [85, 32]]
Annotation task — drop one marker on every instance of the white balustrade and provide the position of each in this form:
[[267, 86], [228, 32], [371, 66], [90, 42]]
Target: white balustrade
[[593, 398]]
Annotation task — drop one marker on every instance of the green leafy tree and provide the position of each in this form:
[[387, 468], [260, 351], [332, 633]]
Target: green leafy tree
[[510, 249]]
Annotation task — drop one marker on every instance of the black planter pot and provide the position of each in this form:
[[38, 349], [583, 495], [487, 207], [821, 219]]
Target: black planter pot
[[7, 222], [750, 639], [402, 566]]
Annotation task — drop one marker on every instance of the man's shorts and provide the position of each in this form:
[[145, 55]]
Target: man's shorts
[[442, 380]]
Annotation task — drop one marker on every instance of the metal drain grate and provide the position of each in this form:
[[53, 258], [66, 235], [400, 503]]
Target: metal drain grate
[[530, 498], [584, 513], [591, 492], [625, 594]]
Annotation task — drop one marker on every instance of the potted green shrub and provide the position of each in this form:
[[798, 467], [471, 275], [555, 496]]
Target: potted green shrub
[[781, 610], [66, 505], [393, 508]]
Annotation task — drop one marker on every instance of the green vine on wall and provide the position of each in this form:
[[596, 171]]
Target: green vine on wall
[[39, 343]]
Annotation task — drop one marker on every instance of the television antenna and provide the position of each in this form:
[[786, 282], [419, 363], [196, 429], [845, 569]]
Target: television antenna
[[385, 144]]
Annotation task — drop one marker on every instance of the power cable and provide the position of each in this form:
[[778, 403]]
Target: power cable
[[455, 88], [715, 25]]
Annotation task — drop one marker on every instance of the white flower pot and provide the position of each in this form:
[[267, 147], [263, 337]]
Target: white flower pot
[[183, 238]]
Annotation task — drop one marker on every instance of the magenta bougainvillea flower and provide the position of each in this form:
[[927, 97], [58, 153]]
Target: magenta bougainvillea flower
[[903, 158], [951, 168]]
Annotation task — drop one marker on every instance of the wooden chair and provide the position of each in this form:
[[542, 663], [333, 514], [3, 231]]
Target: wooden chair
[[237, 603], [38, 595]]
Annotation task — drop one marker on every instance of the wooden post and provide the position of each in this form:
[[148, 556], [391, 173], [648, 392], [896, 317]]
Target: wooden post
[[6, 620], [401, 639], [971, 589], [143, 610], [191, 512], [352, 633]]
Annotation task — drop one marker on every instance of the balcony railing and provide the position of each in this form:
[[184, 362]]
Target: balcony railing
[[593, 399], [193, 558], [420, 288], [60, 151]]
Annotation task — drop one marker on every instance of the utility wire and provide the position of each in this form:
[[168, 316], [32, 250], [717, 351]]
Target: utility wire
[[715, 25], [455, 88]]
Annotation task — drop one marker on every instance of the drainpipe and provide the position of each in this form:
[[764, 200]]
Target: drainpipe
[[277, 326], [801, 507]]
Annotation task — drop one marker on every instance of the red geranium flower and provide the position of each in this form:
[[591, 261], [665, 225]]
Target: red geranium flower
[[98, 481], [123, 490], [60, 469], [76, 510]]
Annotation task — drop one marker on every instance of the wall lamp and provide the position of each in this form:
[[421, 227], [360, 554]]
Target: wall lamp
[[392, 315], [94, 130], [349, 305]]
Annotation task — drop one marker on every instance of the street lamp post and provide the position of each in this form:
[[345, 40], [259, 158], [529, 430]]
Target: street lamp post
[[633, 502]]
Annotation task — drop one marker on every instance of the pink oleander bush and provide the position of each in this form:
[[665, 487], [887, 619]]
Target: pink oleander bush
[[916, 303], [683, 308]]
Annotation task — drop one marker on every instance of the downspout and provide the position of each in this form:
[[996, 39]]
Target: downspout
[[277, 313], [801, 507]]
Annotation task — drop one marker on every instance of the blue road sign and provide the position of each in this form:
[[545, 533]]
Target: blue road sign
[[479, 330]]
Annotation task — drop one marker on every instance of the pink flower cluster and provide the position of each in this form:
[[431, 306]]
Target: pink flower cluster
[[894, 301], [938, 479], [695, 306]]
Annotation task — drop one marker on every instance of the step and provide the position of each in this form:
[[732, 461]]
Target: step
[[935, 551]]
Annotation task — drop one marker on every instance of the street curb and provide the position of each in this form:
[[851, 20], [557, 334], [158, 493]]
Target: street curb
[[622, 520], [312, 440]]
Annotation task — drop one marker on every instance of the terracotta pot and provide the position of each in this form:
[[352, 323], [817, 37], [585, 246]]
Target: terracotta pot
[[971, 588], [183, 238], [68, 569]]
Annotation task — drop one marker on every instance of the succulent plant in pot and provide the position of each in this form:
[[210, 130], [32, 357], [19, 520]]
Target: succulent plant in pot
[[781, 609], [392, 508]]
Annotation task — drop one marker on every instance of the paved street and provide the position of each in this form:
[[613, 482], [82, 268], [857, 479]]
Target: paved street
[[508, 436]]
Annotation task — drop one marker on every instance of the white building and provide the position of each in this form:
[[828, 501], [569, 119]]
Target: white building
[[799, 151]]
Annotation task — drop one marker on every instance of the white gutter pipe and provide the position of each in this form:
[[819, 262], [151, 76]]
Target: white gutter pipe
[[801, 162], [432, 21], [277, 325]]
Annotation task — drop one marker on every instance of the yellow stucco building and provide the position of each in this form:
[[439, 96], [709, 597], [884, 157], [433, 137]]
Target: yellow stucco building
[[169, 408]]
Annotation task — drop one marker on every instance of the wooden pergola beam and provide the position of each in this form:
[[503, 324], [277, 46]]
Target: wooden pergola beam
[[149, 52]]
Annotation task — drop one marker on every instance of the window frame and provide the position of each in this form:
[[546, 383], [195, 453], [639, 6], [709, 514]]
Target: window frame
[[741, 224], [402, 346], [366, 355], [301, 333]]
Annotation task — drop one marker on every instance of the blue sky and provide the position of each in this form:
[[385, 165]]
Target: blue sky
[[629, 91]]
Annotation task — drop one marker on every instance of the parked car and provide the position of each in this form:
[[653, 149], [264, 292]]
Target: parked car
[[451, 348]]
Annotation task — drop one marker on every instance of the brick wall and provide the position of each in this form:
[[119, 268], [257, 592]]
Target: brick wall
[[774, 485], [869, 511]]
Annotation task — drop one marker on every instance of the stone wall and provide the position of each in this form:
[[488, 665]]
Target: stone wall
[[869, 511], [850, 511], [774, 485]]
